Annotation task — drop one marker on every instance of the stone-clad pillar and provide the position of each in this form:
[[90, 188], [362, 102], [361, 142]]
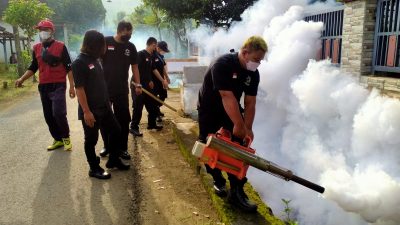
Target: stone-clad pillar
[[358, 36]]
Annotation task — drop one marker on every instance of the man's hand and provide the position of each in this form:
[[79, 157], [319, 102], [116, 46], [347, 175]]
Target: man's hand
[[89, 119], [165, 84], [240, 131], [72, 92], [168, 80], [138, 90], [250, 133], [18, 83], [151, 85]]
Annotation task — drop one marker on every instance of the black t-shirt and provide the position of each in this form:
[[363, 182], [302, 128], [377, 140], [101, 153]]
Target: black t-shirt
[[116, 63], [65, 58], [88, 73], [145, 64], [226, 74], [158, 63]]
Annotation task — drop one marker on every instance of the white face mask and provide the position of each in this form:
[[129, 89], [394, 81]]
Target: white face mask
[[252, 66], [44, 35]]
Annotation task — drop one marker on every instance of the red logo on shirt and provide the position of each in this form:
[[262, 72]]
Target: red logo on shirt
[[234, 76], [111, 48], [91, 66]]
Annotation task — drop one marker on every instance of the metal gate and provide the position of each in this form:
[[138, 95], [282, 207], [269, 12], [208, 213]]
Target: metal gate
[[331, 36], [387, 30]]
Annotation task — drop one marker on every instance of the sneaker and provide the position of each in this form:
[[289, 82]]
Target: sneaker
[[238, 198], [220, 190], [99, 173], [135, 132], [161, 114], [104, 152], [67, 144], [125, 155], [159, 119], [157, 127], [118, 164], [56, 144]]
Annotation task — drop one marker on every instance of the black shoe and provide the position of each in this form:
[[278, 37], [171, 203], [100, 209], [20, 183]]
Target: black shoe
[[118, 164], [104, 152], [159, 119], [125, 155], [99, 173], [135, 132], [157, 127], [238, 198], [220, 190], [161, 114]]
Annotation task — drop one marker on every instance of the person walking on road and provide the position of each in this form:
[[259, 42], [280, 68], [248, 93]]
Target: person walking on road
[[226, 80], [146, 81], [94, 104], [160, 75], [120, 55], [52, 59]]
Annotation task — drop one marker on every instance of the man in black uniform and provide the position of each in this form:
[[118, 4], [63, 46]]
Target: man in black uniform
[[120, 55], [94, 104], [160, 75], [227, 78], [146, 81]]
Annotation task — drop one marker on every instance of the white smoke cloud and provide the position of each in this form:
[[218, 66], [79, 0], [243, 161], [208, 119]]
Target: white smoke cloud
[[317, 121]]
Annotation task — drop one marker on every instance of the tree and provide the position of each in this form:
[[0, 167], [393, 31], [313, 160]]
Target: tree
[[148, 15], [78, 15], [120, 16], [25, 14], [215, 12]]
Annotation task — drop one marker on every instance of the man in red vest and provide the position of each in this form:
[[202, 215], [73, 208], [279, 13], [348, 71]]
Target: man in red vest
[[52, 60]]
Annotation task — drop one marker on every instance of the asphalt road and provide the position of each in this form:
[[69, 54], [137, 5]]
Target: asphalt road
[[38, 187], [41, 187]]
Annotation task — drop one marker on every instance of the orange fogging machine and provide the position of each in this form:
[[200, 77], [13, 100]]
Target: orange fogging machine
[[222, 153]]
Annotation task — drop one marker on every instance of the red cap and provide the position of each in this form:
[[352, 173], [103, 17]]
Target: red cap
[[45, 24]]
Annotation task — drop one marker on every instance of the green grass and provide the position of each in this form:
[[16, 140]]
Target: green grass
[[227, 214], [11, 93]]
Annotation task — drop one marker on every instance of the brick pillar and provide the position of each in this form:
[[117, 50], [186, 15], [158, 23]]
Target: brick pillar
[[358, 36]]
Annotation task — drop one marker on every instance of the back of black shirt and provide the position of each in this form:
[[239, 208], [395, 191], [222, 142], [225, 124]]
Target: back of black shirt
[[116, 63], [226, 74], [88, 73]]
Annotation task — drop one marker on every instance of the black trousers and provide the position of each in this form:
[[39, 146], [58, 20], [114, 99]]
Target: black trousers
[[210, 123], [55, 109], [138, 101], [120, 106], [106, 121], [160, 92]]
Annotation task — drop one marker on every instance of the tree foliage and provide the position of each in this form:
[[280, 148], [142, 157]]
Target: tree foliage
[[26, 14], [148, 15], [78, 15], [215, 12]]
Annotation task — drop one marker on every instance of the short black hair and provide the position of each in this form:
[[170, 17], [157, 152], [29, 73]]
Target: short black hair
[[94, 43], [124, 25], [151, 41]]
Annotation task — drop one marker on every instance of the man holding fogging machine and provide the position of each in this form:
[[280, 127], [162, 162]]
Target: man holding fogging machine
[[227, 78]]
